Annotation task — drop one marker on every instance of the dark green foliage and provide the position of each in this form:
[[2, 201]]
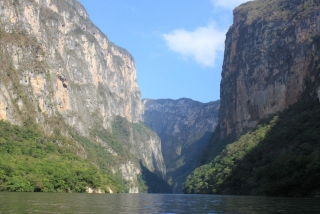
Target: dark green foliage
[[183, 165], [103, 160], [279, 158], [154, 183], [215, 147], [30, 161], [121, 130]]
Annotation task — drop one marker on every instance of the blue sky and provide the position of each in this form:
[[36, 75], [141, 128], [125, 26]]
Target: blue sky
[[177, 44]]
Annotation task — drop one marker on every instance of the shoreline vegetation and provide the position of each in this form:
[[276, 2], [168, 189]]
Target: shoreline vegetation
[[30, 161], [33, 161], [280, 157]]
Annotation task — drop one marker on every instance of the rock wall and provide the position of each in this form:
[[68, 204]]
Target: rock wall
[[185, 127], [271, 60], [86, 73], [151, 154], [130, 172], [55, 63]]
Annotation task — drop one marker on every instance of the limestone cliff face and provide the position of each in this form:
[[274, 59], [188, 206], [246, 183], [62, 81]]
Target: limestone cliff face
[[146, 145], [130, 172], [56, 64], [184, 127], [271, 60], [71, 67]]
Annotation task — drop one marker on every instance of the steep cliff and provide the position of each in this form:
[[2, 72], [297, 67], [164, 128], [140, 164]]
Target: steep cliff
[[67, 64], [58, 68], [270, 77], [185, 127], [271, 61], [271, 58]]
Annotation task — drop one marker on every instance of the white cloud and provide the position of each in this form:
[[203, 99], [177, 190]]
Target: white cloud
[[230, 4], [201, 44]]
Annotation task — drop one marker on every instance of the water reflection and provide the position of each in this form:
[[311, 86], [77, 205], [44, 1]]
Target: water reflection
[[151, 203]]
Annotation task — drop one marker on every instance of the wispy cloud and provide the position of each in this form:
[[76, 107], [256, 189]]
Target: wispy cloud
[[202, 44], [230, 4]]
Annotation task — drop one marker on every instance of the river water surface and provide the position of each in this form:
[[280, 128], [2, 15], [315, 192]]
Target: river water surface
[[151, 203]]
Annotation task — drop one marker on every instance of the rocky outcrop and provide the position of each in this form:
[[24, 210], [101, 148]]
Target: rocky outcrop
[[152, 153], [56, 64], [130, 173], [271, 60], [185, 127]]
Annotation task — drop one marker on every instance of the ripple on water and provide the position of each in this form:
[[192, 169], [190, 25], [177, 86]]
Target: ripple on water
[[152, 203]]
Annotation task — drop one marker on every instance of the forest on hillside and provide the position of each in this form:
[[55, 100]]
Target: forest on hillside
[[280, 157]]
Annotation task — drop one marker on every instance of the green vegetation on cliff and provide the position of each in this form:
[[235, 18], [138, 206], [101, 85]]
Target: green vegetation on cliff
[[30, 161], [79, 141], [281, 157]]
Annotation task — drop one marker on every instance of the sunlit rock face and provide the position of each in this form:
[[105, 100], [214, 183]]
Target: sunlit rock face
[[152, 153], [130, 172], [271, 60], [55, 63], [185, 127], [69, 66]]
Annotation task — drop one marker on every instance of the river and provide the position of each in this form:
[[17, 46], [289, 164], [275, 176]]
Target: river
[[151, 203]]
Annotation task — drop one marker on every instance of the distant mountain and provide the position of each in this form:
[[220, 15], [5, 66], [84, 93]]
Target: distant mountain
[[185, 127]]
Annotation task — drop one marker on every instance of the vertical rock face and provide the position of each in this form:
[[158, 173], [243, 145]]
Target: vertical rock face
[[184, 127], [56, 64], [271, 59], [69, 66], [146, 145], [130, 172]]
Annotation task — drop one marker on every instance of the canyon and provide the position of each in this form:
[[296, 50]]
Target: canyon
[[184, 127], [66, 88]]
